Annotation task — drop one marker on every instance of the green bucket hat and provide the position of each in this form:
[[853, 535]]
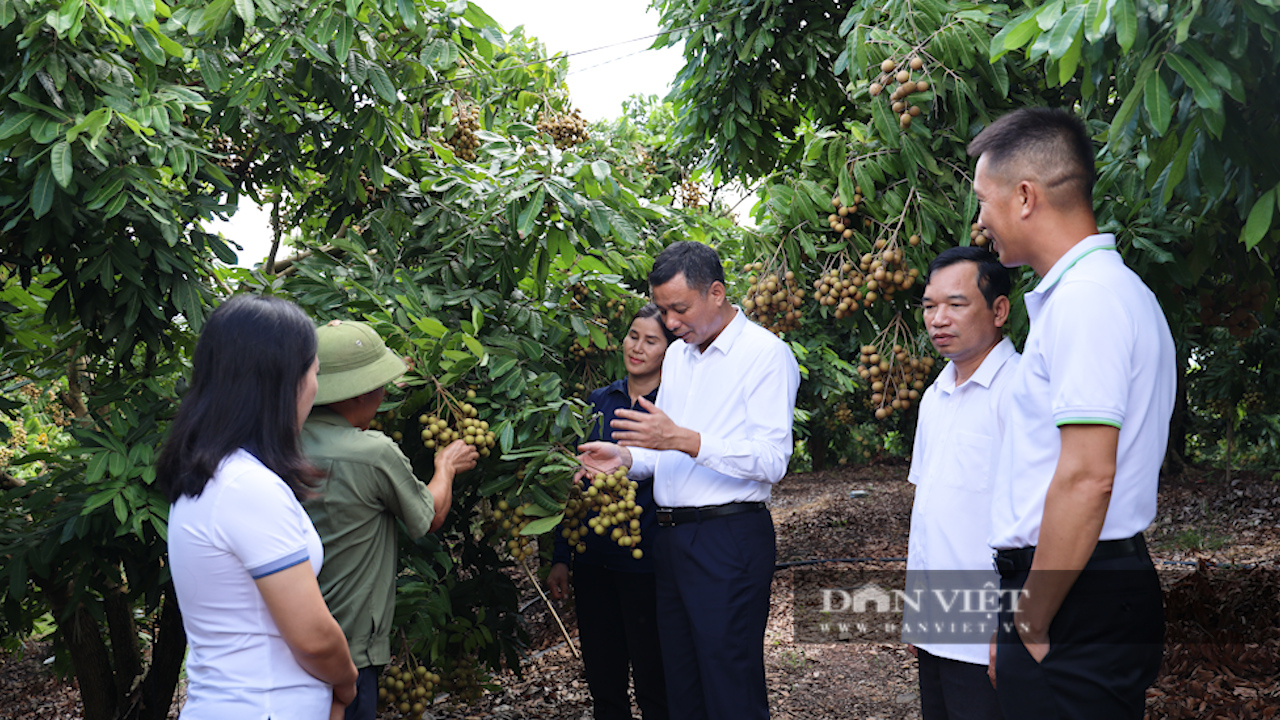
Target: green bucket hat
[[353, 361]]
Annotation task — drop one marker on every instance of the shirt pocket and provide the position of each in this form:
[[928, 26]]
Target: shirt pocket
[[971, 461]]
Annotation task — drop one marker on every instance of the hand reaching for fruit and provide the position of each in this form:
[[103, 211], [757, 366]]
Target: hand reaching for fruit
[[457, 457], [601, 457]]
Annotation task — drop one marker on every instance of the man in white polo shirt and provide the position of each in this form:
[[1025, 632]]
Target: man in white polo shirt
[[1086, 423], [966, 303], [717, 440]]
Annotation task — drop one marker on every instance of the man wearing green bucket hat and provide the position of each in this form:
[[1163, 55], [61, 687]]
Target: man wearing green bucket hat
[[368, 484]]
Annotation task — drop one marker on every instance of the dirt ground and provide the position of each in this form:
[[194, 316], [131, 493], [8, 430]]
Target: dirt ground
[[1217, 546]]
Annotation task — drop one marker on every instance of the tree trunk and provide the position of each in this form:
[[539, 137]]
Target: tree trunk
[[818, 447], [124, 637], [89, 656], [153, 696]]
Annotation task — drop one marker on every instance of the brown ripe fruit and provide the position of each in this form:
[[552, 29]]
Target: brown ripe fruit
[[888, 66], [876, 89], [922, 86], [842, 211], [898, 107], [905, 121], [835, 201], [914, 240], [903, 76], [913, 111], [916, 63], [846, 234]]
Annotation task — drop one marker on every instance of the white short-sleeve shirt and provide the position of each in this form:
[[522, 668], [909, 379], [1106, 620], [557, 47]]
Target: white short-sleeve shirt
[[247, 524], [1099, 352], [951, 466]]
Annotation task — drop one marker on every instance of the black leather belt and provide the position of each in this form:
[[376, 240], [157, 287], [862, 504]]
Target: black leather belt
[[668, 517], [1011, 562]]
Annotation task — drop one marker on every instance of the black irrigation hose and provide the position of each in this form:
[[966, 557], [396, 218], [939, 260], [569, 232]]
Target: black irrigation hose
[[799, 563]]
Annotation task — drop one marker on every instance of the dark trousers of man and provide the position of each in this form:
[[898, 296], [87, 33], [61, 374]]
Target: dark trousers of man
[[714, 581], [955, 690], [617, 626], [365, 706], [1105, 647]]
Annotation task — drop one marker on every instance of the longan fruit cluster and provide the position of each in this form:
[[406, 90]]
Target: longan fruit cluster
[[464, 141], [976, 236], [689, 193], [774, 299], [437, 434], [566, 129], [610, 499], [903, 106], [1234, 311], [512, 522], [463, 681], [841, 415], [843, 219], [845, 285], [408, 691], [896, 379]]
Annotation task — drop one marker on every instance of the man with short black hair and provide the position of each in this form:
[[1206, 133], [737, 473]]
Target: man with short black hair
[[966, 304], [715, 442], [368, 484], [1087, 424]]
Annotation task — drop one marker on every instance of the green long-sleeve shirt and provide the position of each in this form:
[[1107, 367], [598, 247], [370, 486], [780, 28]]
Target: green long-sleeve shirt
[[368, 484]]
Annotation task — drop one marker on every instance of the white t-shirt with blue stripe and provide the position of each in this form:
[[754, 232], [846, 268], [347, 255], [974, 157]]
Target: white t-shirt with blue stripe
[[247, 524]]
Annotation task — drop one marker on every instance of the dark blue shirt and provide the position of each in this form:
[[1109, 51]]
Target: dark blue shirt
[[601, 551]]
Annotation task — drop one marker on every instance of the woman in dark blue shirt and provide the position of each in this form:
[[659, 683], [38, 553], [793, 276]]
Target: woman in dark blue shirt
[[616, 593]]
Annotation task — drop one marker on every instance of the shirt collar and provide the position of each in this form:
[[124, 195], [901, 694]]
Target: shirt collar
[[323, 415], [985, 373], [1093, 243], [622, 387], [724, 341]]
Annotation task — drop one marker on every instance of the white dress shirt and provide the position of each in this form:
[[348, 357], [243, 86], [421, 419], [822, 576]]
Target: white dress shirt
[[951, 464], [740, 397], [1099, 352]]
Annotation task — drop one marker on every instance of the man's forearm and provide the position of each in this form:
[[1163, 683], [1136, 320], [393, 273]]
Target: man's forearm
[[441, 489]]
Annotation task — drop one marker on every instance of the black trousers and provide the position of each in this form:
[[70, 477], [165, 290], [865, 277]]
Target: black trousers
[[714, 581], [1105, 647], [955, 690], [365, 706], [617, 627]]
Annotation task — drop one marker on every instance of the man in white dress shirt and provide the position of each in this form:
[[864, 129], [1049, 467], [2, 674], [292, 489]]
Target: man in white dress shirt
[[966, 304], [715, 442], [1087, 423]]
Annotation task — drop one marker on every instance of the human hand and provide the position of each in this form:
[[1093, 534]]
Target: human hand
[[1037, 643], [991, 660], [601, 457], [337, 710], [457, 457], [653, 429], [558, 581], [912, 649]]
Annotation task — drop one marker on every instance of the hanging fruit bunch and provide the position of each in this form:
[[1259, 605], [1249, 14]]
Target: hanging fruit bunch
[[566, 129], [895, 375], [408, 690], [467, 118], [774, 299], [848, 283], [511, 522], [910, 79], [976, 236], [689, 193], [844, 219], [437, 431], [606, 505]]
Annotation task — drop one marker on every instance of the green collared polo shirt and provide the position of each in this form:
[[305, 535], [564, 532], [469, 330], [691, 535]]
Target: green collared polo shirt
[[368, 484]]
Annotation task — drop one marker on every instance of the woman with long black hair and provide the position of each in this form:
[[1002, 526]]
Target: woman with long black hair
[[243, 553]]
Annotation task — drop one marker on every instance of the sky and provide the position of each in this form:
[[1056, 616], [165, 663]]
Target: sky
[[612, 70]]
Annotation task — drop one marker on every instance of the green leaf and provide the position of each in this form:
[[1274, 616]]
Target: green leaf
[[431, 327], [474, 346], [245, 9], [1095, 17], [1215, 70], [60, 159], [502, 367], [1207, 95], [525, 223], [1071, 60], [600, 170], [495, 485], [1259, 221], [148, 46], [42, 192], [1017, 33], [382, 83], [1159, 105], [1066, 32], [1130, 104], [16, 123], [543, 525], [1126, 19]]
